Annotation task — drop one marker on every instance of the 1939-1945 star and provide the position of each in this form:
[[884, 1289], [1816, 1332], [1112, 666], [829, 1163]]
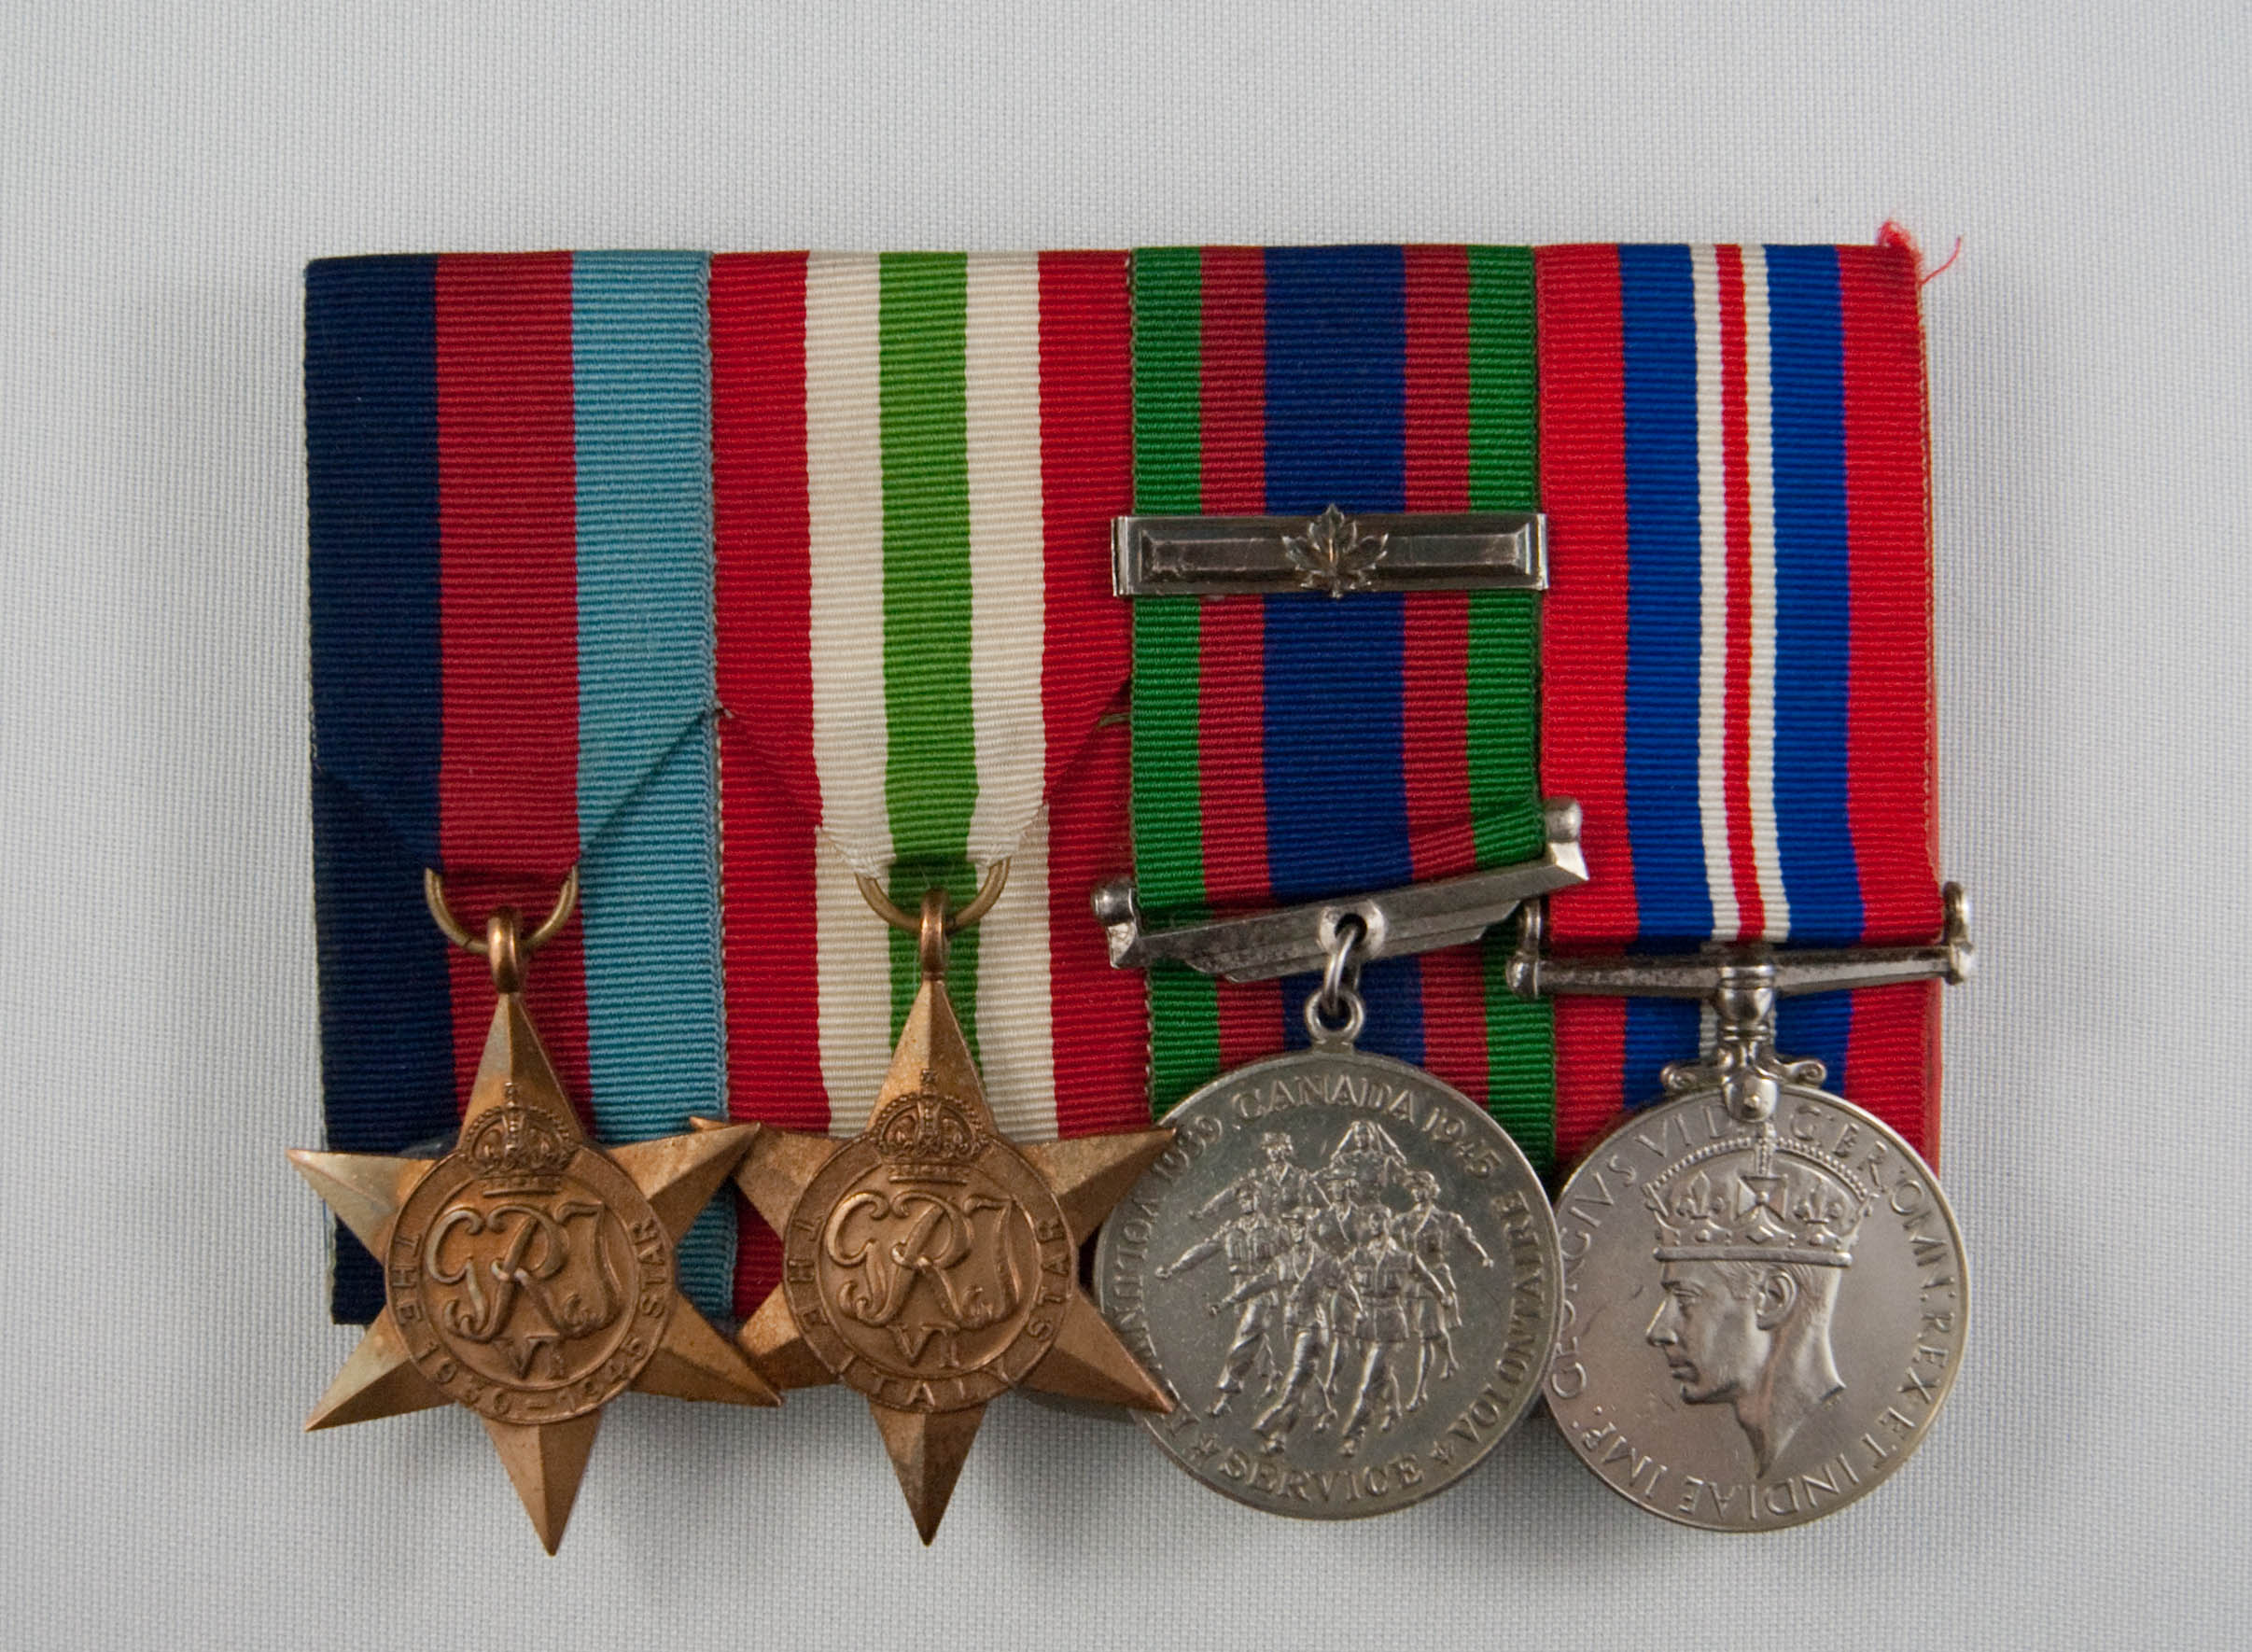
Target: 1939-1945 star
[[528, 1274]]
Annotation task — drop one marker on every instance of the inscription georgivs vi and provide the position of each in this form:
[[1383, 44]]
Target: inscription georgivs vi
[[1341, 1270], [1760, 1320]]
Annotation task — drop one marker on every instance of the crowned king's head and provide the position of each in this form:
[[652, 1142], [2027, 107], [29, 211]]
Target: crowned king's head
[[1764, 1200]]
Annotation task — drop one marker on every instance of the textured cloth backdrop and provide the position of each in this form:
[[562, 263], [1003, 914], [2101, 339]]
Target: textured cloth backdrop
[[165, 172]]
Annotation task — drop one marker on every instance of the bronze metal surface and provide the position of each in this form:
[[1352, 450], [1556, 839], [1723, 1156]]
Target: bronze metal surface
[[529, 1274], [930, 1263]]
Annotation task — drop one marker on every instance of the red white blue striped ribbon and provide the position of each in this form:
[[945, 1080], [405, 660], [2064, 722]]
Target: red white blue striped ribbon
[[1736, 643]]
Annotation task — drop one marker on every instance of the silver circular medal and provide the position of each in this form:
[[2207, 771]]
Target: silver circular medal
[[1344, 1273], [1762, 1314]]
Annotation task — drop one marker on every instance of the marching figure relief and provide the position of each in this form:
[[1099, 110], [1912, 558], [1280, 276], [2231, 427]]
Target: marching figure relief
[[1346, 1276], [1321, 1266]]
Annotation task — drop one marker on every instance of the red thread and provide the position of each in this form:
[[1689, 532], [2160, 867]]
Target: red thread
[[1736, 720], [1584, 622], [1099, 1025], [1894, 236]]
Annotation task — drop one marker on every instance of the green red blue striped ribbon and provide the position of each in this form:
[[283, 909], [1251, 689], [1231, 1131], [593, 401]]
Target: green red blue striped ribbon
[[1736, 653], [1289, 748], [510, 500]]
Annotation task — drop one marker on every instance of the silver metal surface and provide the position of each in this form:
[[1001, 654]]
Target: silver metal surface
[[1761, 1319], [1344, 1273], [1331, 554], [1287, 940], [1693, 974]]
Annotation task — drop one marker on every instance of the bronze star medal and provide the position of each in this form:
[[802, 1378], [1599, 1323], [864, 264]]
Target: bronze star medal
[[929, 1262], [529, 1274]]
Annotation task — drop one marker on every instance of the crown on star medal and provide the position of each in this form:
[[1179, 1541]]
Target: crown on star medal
[[517, 1149], [535, 1342], [926, 1137], [929, 1262]]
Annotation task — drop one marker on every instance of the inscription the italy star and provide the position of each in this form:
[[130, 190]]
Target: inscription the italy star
[[528, 1274], [932, 1264]]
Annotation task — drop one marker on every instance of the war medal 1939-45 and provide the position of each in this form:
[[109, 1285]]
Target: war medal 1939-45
[[1765, 1297], [528, 1274], [929, 1262]]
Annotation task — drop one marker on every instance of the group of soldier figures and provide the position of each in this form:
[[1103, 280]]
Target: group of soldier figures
[[1345, 1305]]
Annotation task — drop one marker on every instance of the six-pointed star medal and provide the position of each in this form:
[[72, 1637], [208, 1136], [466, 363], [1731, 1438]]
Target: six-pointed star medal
[[932, 1264], [529, 1275]]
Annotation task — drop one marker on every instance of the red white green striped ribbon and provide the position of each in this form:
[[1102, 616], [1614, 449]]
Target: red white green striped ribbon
[[915, 460]]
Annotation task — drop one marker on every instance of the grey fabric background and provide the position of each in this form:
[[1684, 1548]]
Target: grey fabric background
[[166, 169]]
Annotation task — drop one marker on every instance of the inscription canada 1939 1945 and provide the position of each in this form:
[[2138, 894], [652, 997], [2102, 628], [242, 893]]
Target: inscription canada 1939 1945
[[1761, 1317], [1345, 1274]]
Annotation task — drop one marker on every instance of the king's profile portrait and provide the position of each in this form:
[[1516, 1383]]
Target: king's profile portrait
[[1755, 1238]]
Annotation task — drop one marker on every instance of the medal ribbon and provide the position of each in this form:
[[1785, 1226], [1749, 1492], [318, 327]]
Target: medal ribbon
[[510, 502], [917, 458], [1290, 747], [514, 463], [1737, 650]]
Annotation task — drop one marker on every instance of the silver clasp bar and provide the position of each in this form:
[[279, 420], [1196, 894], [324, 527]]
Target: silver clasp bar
[[1331, 554], [1291, 939], [1787, 973]]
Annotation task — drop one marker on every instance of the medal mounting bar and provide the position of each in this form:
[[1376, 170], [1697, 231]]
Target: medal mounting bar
[[1786, 973], [1331, 554], [1292, 940]]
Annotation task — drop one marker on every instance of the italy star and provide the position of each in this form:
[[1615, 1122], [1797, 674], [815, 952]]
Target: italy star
[[529, 1274], [931, 1263]]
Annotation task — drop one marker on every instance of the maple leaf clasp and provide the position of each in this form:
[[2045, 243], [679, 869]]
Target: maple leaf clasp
[[1332, 554]]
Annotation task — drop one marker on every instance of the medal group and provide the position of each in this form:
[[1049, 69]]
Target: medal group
[[1144, 811]]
